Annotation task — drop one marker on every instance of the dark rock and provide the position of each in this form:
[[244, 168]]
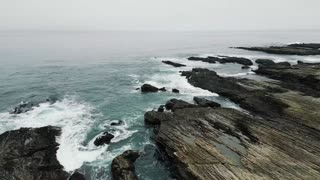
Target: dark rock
[[117, 123], [265, 62], [137, 88], [206, 103], [283, 64], [301, 77], [175, 91], [149, 88], [161, 108], [105, 138], [253, 99], [293, 49], [24, 107], [174, 64], [306, 45], [30, 153], [174, 104], [245, 67], [154, 118], [223, 60], [276, 138], [163, 89], [122, 166], [77, 176]]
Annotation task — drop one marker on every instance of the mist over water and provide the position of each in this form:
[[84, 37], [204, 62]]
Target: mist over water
[[94, 76]]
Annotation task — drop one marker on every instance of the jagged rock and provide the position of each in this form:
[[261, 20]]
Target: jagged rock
[[303, 77], [154, 118], [77, 176], [162, 89], [174, 64], [239, 91], [149, 88], [265, 62], [105, 138], [122, 166], [206, 103], [221, 143], [223, 59], [30, 153], [28, 106], [293, 49], [116, 123], [279, 139], [174, 104], [175, 91]]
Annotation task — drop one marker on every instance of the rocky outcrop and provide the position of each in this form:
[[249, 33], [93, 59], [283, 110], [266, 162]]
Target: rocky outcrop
[[303, 77], [148, 88], [205, 102], [122, 166], [276, 137], [174, 64], [174, 104], [30, 154], [105, 138], [28, 106], [223, 60], [293, 49]]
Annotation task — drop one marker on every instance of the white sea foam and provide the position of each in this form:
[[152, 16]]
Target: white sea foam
[[73, 117]]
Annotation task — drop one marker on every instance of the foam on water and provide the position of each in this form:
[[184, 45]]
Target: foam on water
[[73, 117]]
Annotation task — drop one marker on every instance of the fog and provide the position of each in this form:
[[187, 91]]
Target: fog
[[159, 14]]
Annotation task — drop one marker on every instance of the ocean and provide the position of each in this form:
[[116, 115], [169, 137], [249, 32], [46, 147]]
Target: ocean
[[94, 76]]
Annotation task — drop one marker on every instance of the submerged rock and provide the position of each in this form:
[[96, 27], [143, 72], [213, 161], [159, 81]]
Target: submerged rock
[[293, 49], [30, 153], [174, 64], [105, 138], [122, 166], [149, 88], [117, 123], [206, 103], [223, 60], [245, 67]]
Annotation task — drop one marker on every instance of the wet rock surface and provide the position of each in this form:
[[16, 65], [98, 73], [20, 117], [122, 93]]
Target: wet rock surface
[[276, 136], [105, 138], [30, 154], [149, 88], [292, 49], [205, 102], [223, 60], [122, 166], [174, 64]]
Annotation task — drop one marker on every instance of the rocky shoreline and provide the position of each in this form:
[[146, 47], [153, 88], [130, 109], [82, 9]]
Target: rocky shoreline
[[275, 134]]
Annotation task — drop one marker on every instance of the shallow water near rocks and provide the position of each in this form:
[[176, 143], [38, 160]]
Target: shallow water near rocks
[[94, 76]]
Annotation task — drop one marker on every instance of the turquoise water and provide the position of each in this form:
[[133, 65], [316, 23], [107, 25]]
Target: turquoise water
[[94, 76]]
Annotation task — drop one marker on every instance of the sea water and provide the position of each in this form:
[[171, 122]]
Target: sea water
[[94, 76]]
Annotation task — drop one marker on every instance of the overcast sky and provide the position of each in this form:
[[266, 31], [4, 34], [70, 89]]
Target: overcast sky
[[159, 14]]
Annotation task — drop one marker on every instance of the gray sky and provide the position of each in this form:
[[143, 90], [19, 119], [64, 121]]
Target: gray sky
[[159, 14]]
